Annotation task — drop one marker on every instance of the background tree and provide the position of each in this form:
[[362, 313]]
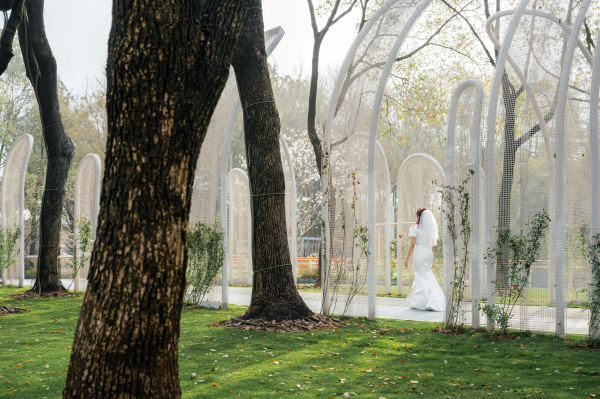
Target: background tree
[[168, 62], [40, 65], [274, 293]]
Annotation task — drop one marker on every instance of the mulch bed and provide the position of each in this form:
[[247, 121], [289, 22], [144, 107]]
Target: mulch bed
[[585, 346], [34, 294], [502, 336], [449, 331], [308, 286], [314, 322], [9, 310]]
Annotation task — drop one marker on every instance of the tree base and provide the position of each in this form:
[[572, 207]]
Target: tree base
[[310, 323], [278, 311], [10, 310], [36, 294]]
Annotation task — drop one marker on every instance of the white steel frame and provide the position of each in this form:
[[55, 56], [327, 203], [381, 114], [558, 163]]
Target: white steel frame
[[90, 161], [26, 140], [594, 183], [231, 192], [388, 204], [399, 178], [475, 197]]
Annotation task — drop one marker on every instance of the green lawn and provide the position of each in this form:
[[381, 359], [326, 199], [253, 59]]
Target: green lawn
[[387, 358]]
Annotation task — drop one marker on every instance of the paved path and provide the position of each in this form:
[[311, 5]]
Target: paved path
[[535, 318]]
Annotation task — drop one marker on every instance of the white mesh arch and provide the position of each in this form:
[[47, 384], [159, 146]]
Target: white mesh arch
[[87, 203], [462, 154], [239, 262], [537, 54], [355, 106], [13, 201], [594, 177], [291, 202], [416, 189]]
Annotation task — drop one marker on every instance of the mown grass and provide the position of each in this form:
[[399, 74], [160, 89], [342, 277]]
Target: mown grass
[[386, 358]]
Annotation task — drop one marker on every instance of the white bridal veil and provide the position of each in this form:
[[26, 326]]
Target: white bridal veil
[[429, 228]]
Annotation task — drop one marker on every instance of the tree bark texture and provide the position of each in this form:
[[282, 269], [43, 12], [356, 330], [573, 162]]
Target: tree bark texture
[[42, 72], [274, 293], [166, 71]]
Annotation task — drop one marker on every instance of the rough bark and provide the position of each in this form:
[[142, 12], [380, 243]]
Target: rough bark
[[165, 74], [274, 294], [43, 74]]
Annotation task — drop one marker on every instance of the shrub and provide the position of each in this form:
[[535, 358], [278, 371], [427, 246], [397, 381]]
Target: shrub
[[205, 259]]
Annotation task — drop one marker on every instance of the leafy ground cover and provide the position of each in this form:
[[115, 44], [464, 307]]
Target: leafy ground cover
[[386, 358]]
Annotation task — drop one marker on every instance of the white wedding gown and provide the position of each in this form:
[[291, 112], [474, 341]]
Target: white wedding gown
[[425, 292]]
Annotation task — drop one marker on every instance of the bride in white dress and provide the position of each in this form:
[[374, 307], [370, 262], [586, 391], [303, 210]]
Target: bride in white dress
[[426, 292]]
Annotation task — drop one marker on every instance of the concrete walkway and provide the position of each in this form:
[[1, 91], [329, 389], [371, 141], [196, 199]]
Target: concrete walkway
[[534, 318]]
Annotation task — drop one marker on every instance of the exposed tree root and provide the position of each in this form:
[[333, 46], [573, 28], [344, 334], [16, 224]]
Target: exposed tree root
[[310, 323], [9, 310]]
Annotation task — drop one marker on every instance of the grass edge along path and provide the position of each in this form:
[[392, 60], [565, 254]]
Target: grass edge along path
[[381, 359]]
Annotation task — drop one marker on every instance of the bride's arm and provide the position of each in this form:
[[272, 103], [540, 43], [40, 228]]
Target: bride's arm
[[433, 249], [413, 241]]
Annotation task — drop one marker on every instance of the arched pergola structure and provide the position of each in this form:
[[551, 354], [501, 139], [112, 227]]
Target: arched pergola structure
[[476, 244], [239, 217], [528, 55], [87, 202], [384, 169], [410, 160], [13, 201], [209, 198], [594, 184]]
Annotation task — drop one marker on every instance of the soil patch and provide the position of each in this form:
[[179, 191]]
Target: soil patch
[[314, 322], [9, 310], [585, 346]]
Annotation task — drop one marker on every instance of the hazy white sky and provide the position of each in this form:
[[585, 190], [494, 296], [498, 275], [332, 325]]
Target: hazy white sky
[[78, 33]]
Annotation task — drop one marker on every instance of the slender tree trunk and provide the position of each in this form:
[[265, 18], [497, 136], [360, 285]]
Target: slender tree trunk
[[312, 105], [42, 71], [274, 294], [165, 74]]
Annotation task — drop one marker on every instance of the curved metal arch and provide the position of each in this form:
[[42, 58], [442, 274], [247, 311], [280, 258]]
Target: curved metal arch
[[475, 188], [537, 13], [399, 179], [388, 209], [89, 161], [491, 130], [244, 176], [27, 141], [594, 177], [294, 203], [272, 37], [561, 110]]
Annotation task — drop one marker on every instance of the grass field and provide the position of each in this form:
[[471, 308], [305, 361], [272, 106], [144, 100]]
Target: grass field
[[387, 358]]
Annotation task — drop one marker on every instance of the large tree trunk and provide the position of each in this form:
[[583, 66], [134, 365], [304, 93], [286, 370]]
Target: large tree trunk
[[165, 74], [42, 71], [274, 294]]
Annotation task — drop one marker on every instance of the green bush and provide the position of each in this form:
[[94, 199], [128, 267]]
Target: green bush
[[9, 237], [205, 259]]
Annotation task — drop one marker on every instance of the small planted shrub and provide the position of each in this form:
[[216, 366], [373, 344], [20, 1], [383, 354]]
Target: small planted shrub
[[9, 236], [205, 259], [457, 205], [84, 243], [594, 297], [523, 252]]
